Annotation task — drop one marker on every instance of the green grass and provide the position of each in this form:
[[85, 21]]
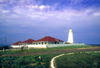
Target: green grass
[[32, 50], [79, 60], [31, 61]]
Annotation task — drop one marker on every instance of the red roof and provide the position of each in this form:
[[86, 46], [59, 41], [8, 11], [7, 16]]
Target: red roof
[[28, 41], [17, 43], [48, 38]]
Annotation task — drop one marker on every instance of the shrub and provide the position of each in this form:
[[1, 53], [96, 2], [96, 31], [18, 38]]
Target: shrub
[[5, 47], [31, 61]]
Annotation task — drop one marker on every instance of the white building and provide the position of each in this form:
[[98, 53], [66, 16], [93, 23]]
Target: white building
[[16, 45], [70, 37], [41, 43], [27, 42], [47, 40]]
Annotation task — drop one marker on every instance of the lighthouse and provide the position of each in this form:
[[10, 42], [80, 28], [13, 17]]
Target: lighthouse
[[70, 37]]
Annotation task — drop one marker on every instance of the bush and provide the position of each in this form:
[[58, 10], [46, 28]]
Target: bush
[[5, 47], [31, 61]]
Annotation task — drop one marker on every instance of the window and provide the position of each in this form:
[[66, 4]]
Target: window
[[42, 43], [55, 42], [45, 42]]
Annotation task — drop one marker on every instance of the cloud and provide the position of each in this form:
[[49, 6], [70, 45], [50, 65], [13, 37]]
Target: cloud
[[5, 11], [32, 17], [97, 14]]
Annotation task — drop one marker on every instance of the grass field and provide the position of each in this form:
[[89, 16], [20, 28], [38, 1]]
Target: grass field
[[43, 50], [79, 60], [31, 61]]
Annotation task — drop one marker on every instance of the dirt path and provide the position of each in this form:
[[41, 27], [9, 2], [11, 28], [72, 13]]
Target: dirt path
[[59, 51]]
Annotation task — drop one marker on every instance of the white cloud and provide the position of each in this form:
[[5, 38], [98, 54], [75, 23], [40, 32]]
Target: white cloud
[[5, 11], [23, 14], [47, 17], [1, 0], [42, 7], [97, 14]]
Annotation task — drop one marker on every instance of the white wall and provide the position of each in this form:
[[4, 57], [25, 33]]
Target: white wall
[[16, 46], [61, 42], [62, 45], [37, 46], [47, 46]]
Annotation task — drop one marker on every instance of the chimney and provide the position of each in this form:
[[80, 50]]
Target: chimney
[[44, 36], [19, 41]]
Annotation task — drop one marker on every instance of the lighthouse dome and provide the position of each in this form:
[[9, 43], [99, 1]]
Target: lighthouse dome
[[70, 30]]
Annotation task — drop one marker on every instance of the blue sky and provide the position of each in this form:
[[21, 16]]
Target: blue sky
[[23, 19]]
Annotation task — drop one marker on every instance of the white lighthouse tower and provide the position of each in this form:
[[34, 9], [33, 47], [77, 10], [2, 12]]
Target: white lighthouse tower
[[70, 37]]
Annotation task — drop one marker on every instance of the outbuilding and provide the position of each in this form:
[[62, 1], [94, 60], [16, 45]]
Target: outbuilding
[[16, 44], [27, 42]]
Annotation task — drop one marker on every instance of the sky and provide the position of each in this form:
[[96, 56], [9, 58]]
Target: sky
[[34, 19]]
